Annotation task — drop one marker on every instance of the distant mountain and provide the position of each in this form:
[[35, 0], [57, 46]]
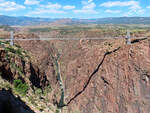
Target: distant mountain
[[123, 20], [8, 20]]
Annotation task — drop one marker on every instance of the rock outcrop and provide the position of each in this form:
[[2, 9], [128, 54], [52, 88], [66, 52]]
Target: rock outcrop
[[20, 73]]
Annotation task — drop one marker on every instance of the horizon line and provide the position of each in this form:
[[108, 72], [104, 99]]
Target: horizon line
[[78, 18]]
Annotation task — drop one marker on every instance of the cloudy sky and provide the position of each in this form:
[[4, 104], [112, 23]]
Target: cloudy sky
[[75, 8]]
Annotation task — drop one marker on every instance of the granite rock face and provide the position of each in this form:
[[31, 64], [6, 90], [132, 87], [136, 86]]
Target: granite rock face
[[121, 85]]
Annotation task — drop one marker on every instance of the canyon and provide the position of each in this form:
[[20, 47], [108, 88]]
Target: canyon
[[102, 76]]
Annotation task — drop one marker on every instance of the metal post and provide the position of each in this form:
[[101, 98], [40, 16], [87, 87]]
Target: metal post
[[11, 38], [128, 37]]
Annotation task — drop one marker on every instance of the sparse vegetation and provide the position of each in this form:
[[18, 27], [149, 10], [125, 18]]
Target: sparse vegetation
[[20, 87], [6, 28], [92, 30], [12, 53], [57, 111], [46, 29]]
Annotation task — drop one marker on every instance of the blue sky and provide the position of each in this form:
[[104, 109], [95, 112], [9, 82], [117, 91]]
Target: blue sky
[[75, 8]]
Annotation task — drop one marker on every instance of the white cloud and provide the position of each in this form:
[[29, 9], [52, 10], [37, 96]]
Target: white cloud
[[133, 6], [31, 2], [48, 9], [88, 4], [43, 11], [89, 1], [119, 3], [88, 8], [51, 6], [148, 7], [134, 13], [85, 11], [68, 7], [10, 6], [141, 11], [112, 11]]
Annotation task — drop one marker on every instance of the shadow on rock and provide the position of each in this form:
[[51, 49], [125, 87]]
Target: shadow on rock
[[6, 73], [137, 40], [11, 104], [34, 77]]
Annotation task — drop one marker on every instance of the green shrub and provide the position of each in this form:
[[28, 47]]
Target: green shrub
[[38, 91], [46, 29], [21, 87], [57, 111], [47, 90]]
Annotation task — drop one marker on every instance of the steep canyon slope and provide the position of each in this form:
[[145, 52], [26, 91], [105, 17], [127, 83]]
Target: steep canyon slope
[[121, 84]]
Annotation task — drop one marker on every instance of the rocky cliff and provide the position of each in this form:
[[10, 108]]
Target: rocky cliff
[[121, 85], [98, 76], [21, 83]]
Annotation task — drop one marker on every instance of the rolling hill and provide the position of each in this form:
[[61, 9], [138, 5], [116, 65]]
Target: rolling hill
[[9, 20]]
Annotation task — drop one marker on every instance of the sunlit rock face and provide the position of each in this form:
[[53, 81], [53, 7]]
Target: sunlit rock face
[[122, 84]]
